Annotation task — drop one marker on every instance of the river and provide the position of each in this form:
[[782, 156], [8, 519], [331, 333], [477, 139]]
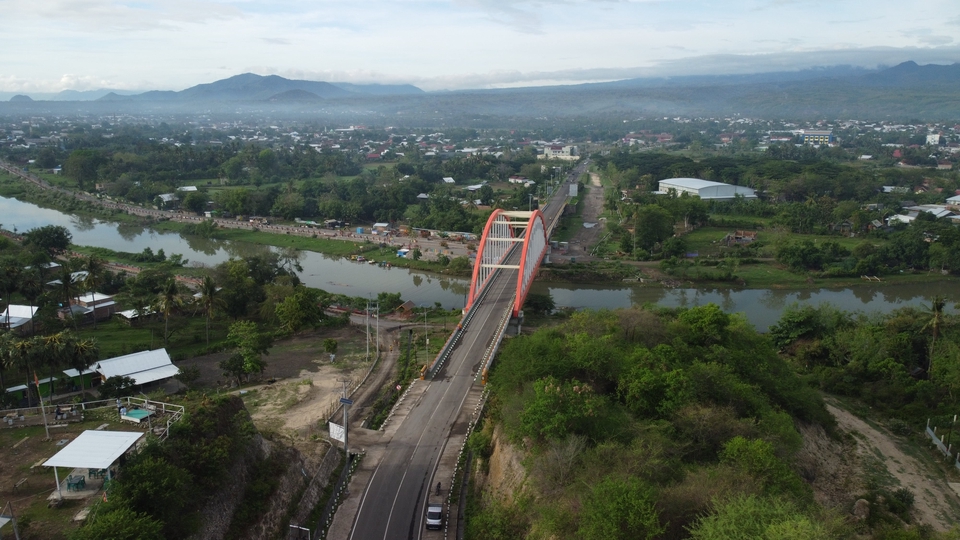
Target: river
[[762, 307]]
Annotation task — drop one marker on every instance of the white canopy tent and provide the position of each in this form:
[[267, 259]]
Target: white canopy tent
[[6, 516], [93, 450]]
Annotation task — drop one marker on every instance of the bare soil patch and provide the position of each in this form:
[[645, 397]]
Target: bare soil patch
[[935, 503], [585, 239], [301, 386], [24, 447]]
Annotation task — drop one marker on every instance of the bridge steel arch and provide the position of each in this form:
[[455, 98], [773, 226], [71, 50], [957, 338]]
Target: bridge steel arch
[[503, 230]]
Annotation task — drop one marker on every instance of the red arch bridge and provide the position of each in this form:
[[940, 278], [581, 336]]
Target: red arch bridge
[[504, 233]]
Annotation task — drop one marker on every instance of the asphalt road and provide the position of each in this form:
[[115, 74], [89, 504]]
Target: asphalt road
[[393, 506]]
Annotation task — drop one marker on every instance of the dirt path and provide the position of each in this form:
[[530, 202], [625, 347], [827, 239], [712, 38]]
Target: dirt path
[[585, 238], [935, 503]]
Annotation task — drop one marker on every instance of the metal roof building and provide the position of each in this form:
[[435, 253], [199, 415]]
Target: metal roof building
[[707, 190], [142, 367]]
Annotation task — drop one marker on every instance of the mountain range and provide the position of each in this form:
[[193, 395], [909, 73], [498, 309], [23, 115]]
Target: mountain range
[[905, 91], [244, 87]]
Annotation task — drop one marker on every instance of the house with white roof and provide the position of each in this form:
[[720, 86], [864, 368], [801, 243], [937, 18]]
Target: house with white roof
[[90, 305], [143, 367], [75, 277], [449, 180], [18, 318]]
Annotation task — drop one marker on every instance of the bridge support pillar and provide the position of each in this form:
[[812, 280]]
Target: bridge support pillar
[[514, 326]]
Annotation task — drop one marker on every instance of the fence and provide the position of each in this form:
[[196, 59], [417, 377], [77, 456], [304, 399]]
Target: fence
[[32, 415], [944, 449], [432, 369], [491, 351], [326, 519]]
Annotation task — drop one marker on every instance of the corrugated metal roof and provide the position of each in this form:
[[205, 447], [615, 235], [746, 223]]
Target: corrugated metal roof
[[23, 312], [142, 367], [94, 449], [692, 183]]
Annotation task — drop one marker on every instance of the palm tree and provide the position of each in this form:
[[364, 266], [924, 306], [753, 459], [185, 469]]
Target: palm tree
[[52, 353], [31, 284], [94, 267], [21, 354], [167, 302], [10, 271], [210, 301], [80, 354], [934, 324], [66, 290], [6, 355]]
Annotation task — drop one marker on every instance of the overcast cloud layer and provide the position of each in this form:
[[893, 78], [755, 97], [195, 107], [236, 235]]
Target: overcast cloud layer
[[53, 45]]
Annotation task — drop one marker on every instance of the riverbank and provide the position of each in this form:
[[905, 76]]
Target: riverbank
[[765, 274], [327, 242]]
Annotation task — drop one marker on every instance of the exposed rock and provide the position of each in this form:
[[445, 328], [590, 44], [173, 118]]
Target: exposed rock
[[861, 510], [506, 473]]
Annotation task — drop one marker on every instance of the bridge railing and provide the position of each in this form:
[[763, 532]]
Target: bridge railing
[[487, 360], [430, 370]]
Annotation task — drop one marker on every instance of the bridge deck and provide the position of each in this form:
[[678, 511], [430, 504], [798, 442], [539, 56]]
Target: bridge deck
[[399, 480]]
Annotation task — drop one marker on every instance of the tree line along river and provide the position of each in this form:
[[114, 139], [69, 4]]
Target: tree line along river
[[762, 307]]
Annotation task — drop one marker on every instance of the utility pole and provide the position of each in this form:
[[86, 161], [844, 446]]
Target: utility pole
[[43, 409], [426, 340], [346, 424], [377, 307], [366, 322]]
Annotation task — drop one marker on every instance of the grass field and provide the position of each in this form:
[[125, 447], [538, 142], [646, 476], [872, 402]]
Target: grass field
[[188, 336]]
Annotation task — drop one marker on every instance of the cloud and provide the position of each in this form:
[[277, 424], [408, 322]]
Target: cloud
[[275, 41], [719, 64], [927, 37], [93, 15], [10, 83], [528, 15]]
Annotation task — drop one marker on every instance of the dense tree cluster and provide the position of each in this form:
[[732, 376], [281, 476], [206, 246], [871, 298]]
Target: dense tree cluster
[[650, 424], [906, 363], [148, 501]]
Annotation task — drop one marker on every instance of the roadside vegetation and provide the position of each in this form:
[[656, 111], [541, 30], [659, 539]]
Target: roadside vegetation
[[647, 424], [687, 423]]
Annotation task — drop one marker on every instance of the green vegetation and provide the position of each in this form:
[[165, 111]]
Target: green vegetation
[[684, 423], [817, 218], [639, 422], [194, 459], [904, 364]]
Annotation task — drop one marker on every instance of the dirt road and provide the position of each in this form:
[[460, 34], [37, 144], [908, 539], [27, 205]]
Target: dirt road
[[935, 503], [584, 239]]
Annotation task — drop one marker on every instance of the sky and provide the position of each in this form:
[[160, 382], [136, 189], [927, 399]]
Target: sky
[[53, 45]]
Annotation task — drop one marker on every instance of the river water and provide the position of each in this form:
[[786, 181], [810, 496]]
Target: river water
[[762, 307]]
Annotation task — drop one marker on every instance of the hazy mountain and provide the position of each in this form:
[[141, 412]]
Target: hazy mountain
[[294, 95], [907, 91], [380, 89], [910, 74], [252, 87], [21, 98], [86, 95]]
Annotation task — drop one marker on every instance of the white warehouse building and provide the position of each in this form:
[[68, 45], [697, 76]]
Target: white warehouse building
[[707, 190]]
